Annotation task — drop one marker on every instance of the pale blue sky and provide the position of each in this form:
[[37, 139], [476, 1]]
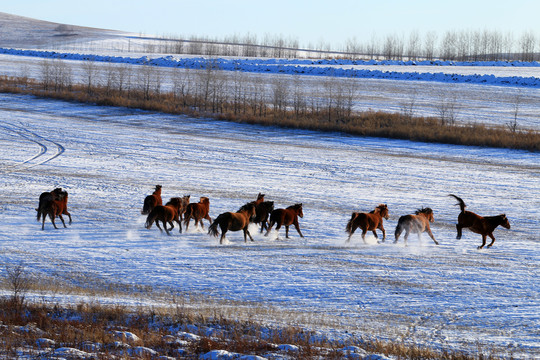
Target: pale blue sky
[[310, 21]]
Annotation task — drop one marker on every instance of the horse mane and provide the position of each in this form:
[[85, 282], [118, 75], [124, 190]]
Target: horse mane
[[295, 206], [426, 211], [246, 207]]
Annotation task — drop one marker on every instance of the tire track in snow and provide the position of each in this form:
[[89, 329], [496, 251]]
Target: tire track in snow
[[43, 156]]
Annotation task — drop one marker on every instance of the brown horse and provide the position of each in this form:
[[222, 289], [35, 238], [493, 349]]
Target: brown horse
[[198, 212], [53, 205], [368, 221], [151, 201], [56, 194], [262, 213], [479, 224], [166, 214], [417, 223], [237, 221], [287, 217]]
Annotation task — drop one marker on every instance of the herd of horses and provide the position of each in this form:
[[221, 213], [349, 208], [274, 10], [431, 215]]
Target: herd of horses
[[261, 212]]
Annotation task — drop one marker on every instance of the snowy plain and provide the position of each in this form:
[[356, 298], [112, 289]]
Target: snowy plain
[[446, 296]]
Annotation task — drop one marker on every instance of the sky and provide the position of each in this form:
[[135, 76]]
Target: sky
[[311, 22]]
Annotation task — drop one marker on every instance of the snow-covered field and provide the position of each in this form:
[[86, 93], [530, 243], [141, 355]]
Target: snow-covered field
[[108, 159], [446, 296]]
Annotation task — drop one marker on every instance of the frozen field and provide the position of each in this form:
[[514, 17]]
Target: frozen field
[[108, 159]]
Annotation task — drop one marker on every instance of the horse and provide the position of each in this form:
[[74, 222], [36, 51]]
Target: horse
[[287, 217], [479, 224], [262, 212], [166, 214], [151, 201], [368, 221], [56, 194], [417, 223], [233, 221], [53, 205], [260, 199], [198, 212]]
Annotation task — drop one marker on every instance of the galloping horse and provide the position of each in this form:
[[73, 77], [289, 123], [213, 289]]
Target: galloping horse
[[260, 199], [151, 201], [262, 212], [234, 222], [368, 221], [56, 194], [53, 205], [198, 211], [166, 214], [417, 223], [479, 224], [286, 217]]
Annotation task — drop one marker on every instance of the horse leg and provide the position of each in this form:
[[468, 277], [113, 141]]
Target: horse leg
[[186, 221], [383, 233], [246, 232], [431, 235], [364, 235], [159, 227], [65, 212], [286, 231], [223, 231], [297, 226], [492, 239], [459, 231], [483, 242], [52, 216], [397, 233], [406, 236], [269, 228], [353, 229], [179, 222], [61, 218], [375, 234]]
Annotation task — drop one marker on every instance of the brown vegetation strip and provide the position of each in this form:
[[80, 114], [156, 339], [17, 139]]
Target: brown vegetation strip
[[336, 118]]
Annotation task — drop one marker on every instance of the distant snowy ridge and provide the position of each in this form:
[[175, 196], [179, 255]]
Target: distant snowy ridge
[[310, 67]]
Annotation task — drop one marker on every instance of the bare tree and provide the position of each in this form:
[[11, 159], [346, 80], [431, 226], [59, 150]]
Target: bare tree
[[90, 69], [447, 108], [513, 124], [429, 45], [19, 282]]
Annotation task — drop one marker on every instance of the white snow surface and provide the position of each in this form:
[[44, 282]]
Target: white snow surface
[[109, 159]]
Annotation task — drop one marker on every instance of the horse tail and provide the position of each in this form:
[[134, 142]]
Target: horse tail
[[349, 226], [187, 214], [147, 207], [461, 203], [399, 227], [151, 218], [212, 230]]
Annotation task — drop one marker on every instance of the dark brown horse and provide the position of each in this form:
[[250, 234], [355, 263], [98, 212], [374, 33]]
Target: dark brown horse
[[169, 213], [56, 194], [417, 223], [151, 201], [198, 212], [262, 213], [287, 217], [231, 221], [479, 224], [368, 221], [53, 205]]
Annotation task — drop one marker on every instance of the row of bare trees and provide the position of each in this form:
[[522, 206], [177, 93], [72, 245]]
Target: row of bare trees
[[466, 45], [209, 89]]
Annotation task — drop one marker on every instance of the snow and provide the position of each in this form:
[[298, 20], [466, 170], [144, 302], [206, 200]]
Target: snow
[[109, 159], [447, 296]]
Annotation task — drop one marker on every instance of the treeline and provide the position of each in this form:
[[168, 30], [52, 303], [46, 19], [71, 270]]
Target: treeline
[[325, 104], [467, 45]]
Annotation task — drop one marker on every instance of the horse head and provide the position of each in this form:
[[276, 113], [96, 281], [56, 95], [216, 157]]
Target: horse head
[[428, 213], [176, 202], [204, 200], [383, 210], [260, 197], [299, 210], [504, 221]]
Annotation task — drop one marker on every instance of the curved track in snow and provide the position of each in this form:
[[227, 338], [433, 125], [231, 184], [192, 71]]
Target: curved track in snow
[[44, 153]]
